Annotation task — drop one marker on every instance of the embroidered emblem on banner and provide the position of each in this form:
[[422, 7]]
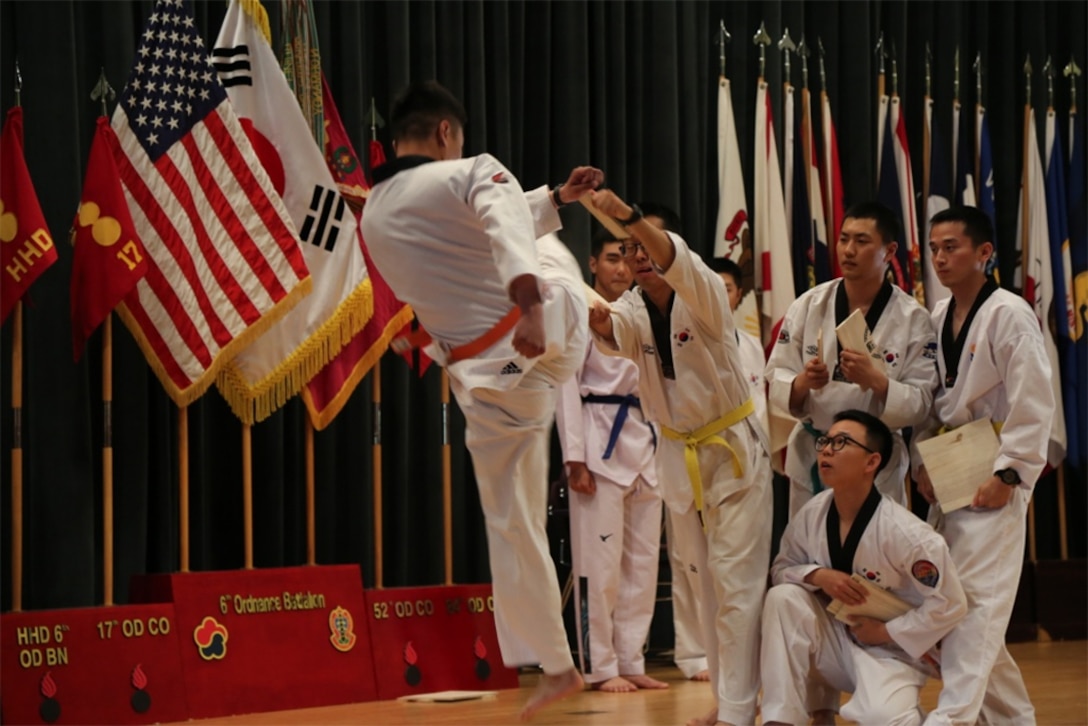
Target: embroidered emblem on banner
[[926, 573], [483, 668], [342, 626], [211, 639], [140, 700]]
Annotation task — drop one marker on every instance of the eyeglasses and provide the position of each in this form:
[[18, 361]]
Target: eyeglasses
[[837, 443], [630, 249]]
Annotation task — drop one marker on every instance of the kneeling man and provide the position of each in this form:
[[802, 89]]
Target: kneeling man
[[808, 657]]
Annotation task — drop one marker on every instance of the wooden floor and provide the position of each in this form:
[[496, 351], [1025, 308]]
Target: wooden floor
[[1056, 675]]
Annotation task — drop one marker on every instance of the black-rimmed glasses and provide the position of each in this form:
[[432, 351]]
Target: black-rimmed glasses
[[837, 443], [630, 248]]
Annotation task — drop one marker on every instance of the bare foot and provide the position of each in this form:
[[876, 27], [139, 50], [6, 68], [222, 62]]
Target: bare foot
[[619, 684], [551, 688], [644, 681], [703, 675], [709, 719], [823, 717]]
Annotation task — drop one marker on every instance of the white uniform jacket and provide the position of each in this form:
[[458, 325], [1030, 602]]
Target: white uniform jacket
[[753, 362], [897, 552], [1004, 376], [709, 379], [467, 228], [905, 338], [585, 427]]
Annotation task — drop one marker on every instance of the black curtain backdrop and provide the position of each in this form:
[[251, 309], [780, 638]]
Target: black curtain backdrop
[[627, 86]]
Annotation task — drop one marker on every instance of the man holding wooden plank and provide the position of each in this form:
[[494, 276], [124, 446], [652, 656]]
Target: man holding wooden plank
[[992, 366], [890, 574]]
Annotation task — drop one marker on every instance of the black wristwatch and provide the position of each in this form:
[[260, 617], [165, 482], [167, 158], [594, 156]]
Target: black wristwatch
[[1008, 476], [636, 215]]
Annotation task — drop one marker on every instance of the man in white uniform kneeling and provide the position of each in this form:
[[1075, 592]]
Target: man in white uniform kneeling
[[808, 656]]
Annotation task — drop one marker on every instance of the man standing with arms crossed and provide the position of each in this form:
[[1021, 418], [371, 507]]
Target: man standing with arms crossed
[[615, 504], [992, 365], [456, 239], [712, 461]]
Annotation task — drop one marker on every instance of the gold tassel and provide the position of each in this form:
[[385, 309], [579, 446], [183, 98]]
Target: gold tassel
[[256, 11]]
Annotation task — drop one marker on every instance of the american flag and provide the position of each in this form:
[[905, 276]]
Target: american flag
[[224, 261]]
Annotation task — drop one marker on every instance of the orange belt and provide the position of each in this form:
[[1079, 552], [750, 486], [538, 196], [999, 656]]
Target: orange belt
[[471, 349]]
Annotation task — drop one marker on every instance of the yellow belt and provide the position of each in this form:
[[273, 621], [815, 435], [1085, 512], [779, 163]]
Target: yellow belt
[[705, 435]]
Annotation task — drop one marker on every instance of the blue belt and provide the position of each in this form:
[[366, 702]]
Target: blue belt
[[817, 486], [624, 402]]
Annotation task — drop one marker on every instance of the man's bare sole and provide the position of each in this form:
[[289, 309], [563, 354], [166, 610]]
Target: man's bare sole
[[551, 688]]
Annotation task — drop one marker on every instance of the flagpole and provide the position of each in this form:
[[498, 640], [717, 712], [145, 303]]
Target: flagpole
[[247, 492], [17, 430], [183, 484], [927, 140], [880, 55], [447, 487], [1025, 241], [376, 470], [104, 92], [311, 528]]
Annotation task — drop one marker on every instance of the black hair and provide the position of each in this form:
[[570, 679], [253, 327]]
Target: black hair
[[600, 238], [887, 222], [419, 109], [976, 225], [878, 436], [724, 265], [667, 215]]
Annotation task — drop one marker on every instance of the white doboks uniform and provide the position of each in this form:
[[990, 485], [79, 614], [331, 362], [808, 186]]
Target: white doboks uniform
[[905, 338], [737, 510], [449, 237], [689, 653], [809, 657], [1003, 376], [616, 531]]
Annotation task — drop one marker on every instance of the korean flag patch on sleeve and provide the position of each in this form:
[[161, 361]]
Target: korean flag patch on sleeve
[[926, 573]]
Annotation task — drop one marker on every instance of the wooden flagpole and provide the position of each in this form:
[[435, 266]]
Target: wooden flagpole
[[311, 527], [1025, 240], [17, 453], [376, 397], [447, 487], [17, 432], [247, 492], [183, 485]]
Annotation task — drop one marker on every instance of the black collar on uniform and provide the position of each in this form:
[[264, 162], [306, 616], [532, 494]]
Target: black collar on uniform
[[398, 164], [952, 346], [661, 325], [842, 553]]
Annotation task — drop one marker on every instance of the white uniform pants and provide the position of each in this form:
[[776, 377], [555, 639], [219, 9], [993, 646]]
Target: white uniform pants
[[508, 434], [732, 557], [807, 659], [980, 677], [615, 541], [689, 651]]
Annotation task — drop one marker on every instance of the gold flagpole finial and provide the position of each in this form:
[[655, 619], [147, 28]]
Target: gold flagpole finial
[[929, 71], [881, 53], [977, 68], [18, 84], [1027, 80], [803, 53], [376, 121], [823, 71], [103, 92], [895, 72], [1071, 71], [762, 40], [1048, 71], [785, 45], [723, 38]]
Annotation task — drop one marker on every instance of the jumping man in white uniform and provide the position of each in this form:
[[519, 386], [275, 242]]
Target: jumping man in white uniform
[[615, 504], [808, 656], [992, 365], [713, 463], [812, 377], [455, 238]]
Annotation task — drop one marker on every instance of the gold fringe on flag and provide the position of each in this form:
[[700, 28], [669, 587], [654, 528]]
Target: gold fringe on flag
[[255, 10], [186, 396], [255, 402]]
